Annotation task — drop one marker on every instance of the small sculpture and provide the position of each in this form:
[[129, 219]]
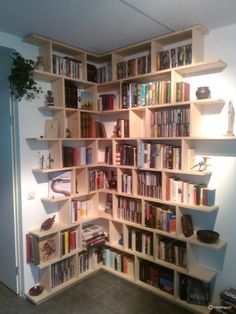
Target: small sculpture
[[68, 133], [41, 160], [50, 161], [47, 224], [39, 63], [50, 98], [231, 115], [202, 164]]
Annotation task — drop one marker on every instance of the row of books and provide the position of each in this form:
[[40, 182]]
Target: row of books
[[129, 209], [76, 156], [125, 154], [69, 241], [140, 241], [76, 97], [181, 191], [62, 271], [126, 183], [171, 115], [99, 74], [149, 184], [133, 67], [100, 179], [172, 251], [170, 122], [182, 91], [170, 130], [194, 291], [145, 94], [67, 66], [104, 73], [108, 102], [83, 262], [108, 155], [93, 236], [174, 57], [80, 209], [156, 276], [90, 127], [155, 155], [40, 250], [108, 204], [161, 218], [122, 128], [118, 261]]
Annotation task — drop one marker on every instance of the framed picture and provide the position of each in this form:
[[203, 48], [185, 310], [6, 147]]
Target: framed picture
[[51, 128]]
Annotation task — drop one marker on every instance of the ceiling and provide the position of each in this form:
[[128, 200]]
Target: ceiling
[[103, 25]]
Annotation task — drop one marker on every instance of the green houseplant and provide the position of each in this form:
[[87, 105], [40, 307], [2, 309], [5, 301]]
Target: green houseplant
[[22, 83]]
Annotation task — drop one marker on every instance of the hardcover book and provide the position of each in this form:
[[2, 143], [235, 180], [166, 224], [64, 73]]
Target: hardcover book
[[187, 225]]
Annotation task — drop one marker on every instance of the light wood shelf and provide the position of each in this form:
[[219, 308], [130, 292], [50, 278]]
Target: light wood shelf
[[139, 118]]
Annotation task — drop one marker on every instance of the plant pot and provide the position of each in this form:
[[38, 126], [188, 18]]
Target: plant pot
[[203, 92]]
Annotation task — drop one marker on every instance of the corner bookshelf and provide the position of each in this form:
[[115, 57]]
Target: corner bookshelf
[[133, 94]]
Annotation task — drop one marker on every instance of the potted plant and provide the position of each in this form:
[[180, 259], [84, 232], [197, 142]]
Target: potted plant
[[22, 83]]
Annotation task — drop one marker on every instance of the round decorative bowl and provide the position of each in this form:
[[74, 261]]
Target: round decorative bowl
[[203, 92], [208, 236], [36, 290]]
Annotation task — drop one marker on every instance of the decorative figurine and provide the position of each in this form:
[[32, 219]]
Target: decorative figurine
[[202, 164], [41, 160], [39, 63], [50, 98], [50, 161], [112, 182], [68, 133], [121, 240], [231, 115], [47, 224]]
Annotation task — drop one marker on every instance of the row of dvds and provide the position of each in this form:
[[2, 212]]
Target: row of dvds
[[67, 66], [133, 67], [174, 57]]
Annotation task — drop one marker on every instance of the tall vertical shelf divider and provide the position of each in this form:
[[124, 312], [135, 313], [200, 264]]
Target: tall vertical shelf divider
[[121, 133]]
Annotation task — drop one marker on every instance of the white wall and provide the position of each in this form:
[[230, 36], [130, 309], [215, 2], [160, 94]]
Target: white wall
[[31, 124], [220, 43]]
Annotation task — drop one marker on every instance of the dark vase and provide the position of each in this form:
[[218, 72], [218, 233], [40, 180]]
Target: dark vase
[[203, 92]]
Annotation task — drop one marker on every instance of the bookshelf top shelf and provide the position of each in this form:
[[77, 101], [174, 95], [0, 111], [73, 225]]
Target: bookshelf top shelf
[[179, 36], [205, 67]]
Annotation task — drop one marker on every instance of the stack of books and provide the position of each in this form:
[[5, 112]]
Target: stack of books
[[93, 236]]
